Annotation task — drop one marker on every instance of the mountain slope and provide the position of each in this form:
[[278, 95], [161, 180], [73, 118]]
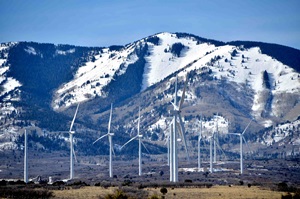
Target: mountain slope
[[238, 81]]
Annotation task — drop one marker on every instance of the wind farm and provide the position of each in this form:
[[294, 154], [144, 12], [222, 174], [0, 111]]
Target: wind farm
[[172, 130]]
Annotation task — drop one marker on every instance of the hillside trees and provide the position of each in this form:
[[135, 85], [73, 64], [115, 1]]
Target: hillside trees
[[266, 80], [177, 48]]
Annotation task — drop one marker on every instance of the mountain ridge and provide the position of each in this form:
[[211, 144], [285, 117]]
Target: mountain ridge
[[146, 69]]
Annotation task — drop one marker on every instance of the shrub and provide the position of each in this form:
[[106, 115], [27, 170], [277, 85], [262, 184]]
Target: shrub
[[282, 186], [3, 183], [154, 197], [24, 193], [58, 183], [287, 196], [126, 183], [164, 190], [119, 194], [241, 182]]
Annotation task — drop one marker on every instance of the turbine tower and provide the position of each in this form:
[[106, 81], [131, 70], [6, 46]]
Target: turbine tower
[[139, 137], [199, 149], [25, 158], [211, 153], [176, 127], [216, 139], [111, 149], [169, 128], [71, 145], [241, 145]]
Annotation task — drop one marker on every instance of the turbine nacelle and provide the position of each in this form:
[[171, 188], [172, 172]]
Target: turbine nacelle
[[111, 134], [72, 132], [175, 111]]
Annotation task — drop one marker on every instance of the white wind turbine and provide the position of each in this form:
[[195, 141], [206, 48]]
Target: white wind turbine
[[25, 158], [111, 149], [241, 145], [139, 137], [176, 127], [72, 146]]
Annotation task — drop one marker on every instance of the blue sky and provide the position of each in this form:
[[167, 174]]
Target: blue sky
[[105, 23]]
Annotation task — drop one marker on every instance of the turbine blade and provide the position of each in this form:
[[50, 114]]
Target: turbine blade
[[168, 134], [220, 148], [175, 94], [110, 115], [111, 143], [204, 143], [246, 127], [167, 139], [75, 155], [183, 93], [128, 142], [234, 133], [139, 120], [247, 145], [74, 117], [145, 147], [100, 138], [113, 151], [182, 130]]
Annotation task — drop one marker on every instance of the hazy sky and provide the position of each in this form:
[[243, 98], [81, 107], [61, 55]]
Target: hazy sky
[[113, 22]]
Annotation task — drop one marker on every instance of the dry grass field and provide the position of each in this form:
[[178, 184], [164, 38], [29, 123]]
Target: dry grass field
[[222, 192], [88, 192]]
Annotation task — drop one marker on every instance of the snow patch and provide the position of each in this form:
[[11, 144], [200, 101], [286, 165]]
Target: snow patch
[[30, 50], [61, 52]]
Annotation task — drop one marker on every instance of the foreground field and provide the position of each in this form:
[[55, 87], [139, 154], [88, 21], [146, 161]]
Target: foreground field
[[224, 192]]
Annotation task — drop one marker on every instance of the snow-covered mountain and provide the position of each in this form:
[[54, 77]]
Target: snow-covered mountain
[[232, 63], [238, 80]]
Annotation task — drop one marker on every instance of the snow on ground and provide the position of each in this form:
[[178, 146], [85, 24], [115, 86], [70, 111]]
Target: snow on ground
[[10, 85], [61, 52], [280, 132], [216, 123], [161, 64], [8, 137], [8, 92], [243, 66], [90, 79], [236, 64], [30, 50]]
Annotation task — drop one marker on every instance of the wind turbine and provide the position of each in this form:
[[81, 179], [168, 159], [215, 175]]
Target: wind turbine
[[176, 127], [139, 137], [71, 145], [241, 144], [25, 158], [111, 149]]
